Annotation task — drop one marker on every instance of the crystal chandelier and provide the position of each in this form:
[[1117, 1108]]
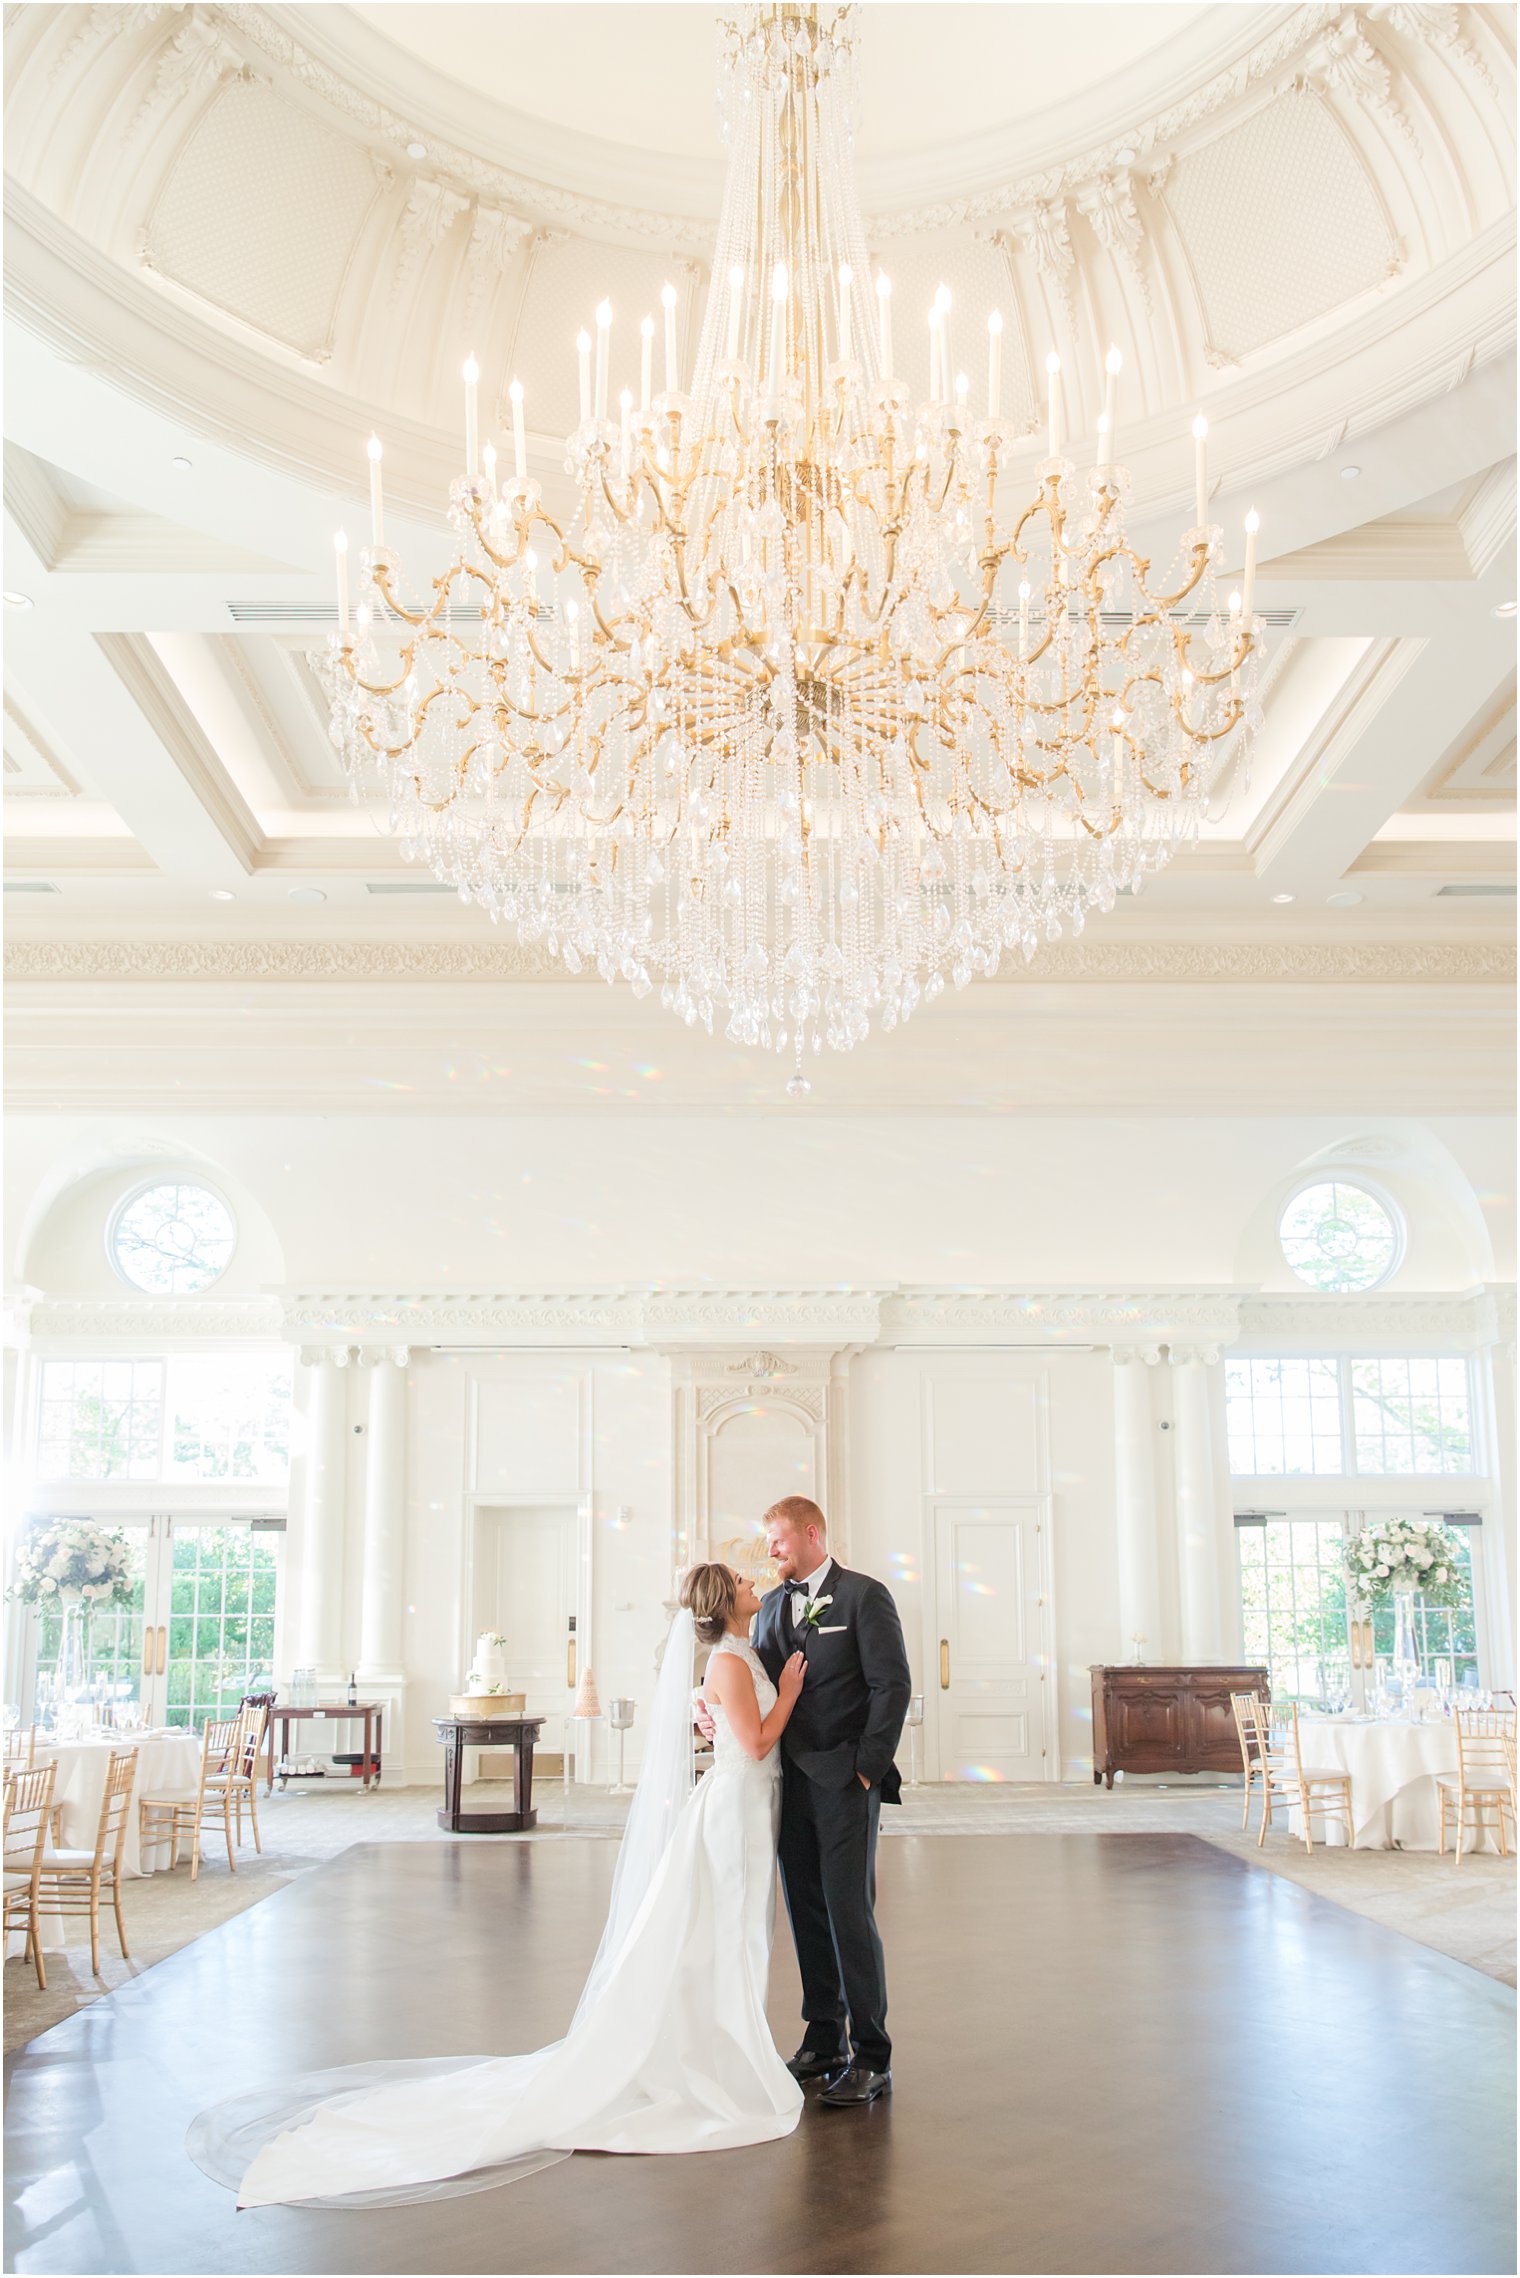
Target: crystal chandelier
[[796, 715]]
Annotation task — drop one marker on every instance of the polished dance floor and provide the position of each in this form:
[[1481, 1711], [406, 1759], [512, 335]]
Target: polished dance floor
[[1115, 2053]]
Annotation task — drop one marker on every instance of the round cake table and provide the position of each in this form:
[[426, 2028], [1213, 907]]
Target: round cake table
[[456, 1734]]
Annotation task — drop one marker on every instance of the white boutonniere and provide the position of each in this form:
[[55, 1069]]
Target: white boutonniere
[[813, 1611]]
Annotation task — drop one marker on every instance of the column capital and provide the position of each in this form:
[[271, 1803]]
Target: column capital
[[372, 1356], [1208, 1355], [1123, 1354]]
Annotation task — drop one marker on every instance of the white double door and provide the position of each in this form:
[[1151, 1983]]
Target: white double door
[[991, 1680], [200, 1627]]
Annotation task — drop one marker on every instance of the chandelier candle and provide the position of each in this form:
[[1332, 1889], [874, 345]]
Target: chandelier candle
[[1200, 472], [800, 706], [668, 304]]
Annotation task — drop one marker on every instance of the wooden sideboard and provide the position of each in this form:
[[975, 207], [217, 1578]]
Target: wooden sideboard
[[1169, 1719]]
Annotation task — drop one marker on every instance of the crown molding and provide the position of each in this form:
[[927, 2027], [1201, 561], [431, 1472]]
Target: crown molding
[[1132, 1319], [1180, 963], [105, 1320], [740, 1327], [1474, 1317]]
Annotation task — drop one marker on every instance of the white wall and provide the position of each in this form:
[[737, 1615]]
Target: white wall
[[828, 1207], [565, 1202]]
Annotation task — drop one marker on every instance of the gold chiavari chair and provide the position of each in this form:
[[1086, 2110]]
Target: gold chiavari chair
[[21, 1749], [28, 1820], [1285, 1775], [1484, 1781], [1244, 1706], [185, 1811], [240, 1774], [72, 1879]]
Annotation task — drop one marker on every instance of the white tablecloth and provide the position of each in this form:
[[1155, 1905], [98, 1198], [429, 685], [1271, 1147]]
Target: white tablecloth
[[165, 1762], [1393, 1767]]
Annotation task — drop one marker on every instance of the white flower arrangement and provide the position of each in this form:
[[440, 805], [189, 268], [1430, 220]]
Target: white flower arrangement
[[491, 1637], [1390, 1555], [65, 1562], [473, 1684]]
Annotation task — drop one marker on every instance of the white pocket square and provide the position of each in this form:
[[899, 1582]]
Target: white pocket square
[[830, 1628]]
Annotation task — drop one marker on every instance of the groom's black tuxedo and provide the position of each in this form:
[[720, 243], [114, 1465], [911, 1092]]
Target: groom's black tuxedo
[[847, 1722]]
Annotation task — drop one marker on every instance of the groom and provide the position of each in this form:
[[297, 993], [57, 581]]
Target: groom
[[837, 1771]]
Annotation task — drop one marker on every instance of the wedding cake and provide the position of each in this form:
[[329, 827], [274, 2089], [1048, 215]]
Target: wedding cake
[[487, 1690]]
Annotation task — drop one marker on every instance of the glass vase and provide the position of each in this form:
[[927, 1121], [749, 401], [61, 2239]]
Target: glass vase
[[73, 1661], [1406, 1647]]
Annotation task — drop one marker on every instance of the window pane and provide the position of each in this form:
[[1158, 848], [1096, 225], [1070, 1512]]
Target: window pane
[[99, 1421], [1338, 1237], [1412, 1415], [173, 1239], [1300, 1630], [1283, 1417]]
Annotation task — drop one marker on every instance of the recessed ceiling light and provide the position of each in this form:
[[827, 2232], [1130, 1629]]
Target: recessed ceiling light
[[1349, 474], [17, 600], [1504, 608], [1282, 897], [179, 460], [222, 894], [416, 150], [306, 894], [1347, 901]]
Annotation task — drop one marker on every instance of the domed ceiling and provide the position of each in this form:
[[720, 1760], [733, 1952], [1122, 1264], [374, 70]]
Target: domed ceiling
[[240, 237]]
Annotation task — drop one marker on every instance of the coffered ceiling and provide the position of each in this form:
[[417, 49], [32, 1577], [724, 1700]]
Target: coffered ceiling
[[240, 237]]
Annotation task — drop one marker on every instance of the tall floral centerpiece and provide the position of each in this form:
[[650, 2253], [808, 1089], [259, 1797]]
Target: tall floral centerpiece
[[1399, 1559], [75, 1568]]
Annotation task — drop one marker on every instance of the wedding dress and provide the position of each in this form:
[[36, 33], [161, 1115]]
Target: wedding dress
[[668, 2051]]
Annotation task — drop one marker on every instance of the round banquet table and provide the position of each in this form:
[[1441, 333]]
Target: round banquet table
[[1392, 1764], [166, 1761]]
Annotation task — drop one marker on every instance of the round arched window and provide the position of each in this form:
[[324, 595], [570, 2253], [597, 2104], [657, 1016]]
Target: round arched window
[[172, 1238], [1340, 1237]]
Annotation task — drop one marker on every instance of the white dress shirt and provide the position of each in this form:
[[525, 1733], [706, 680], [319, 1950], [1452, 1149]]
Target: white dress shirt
[[803, 1591]]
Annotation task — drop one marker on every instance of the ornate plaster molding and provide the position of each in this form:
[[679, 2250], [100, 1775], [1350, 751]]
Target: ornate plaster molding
[[266, 31], [1133, 1321], [83, 1319], [374, 1317], [718, 1316], [1185, 963], [1474, 1317], [710, 1333]]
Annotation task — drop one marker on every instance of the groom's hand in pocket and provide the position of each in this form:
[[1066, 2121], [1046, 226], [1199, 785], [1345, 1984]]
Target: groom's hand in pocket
[[865, 1783]]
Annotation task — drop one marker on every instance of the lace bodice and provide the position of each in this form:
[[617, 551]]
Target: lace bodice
[[727, 1754]]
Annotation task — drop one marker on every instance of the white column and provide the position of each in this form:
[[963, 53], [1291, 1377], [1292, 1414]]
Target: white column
[[319, 1627], [1135, 1505], [1199, 1518], [380, 1601]]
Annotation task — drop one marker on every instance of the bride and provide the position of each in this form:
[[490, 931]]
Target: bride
[[668, 2050]]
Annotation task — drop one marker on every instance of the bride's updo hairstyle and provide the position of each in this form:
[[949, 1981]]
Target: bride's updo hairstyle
[[710, 1592]]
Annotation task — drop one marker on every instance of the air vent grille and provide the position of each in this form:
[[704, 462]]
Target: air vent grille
[[407, 886], [1471, 890], [29, 886]]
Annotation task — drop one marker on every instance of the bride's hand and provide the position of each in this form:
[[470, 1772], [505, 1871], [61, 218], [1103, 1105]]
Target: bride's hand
[[789, 1683]]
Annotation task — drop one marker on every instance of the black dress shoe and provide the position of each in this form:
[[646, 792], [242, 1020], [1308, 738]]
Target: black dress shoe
[[857, 2086], [812, 2064]]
